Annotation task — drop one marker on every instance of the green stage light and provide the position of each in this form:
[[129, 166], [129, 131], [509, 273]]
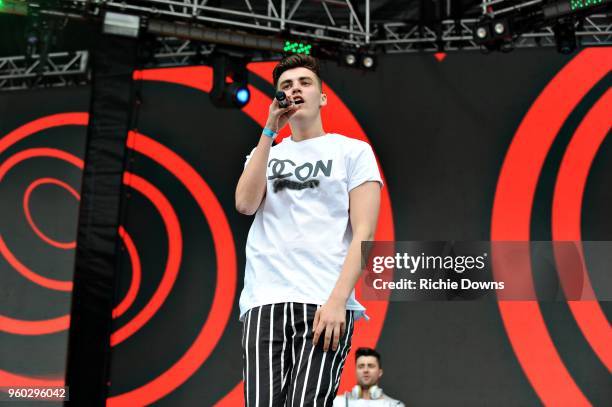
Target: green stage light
[[561, 8], [13, 7], [576, 5], [293, 47]]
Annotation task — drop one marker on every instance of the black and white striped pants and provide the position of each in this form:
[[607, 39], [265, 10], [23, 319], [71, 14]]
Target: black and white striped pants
[[280, 365]]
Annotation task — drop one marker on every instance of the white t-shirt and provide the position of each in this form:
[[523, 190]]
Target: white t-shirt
[[301, 232]]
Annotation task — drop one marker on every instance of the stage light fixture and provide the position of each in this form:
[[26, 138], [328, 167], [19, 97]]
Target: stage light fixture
[[121, 24], [576, 5], [481, 32], [355, 58], [294, 47], [368, 62], [14, 7], [493, 34], [34, 31], [31, 38], [230, 81], [243, 95], [565, 37], [350, 59], [555, 9], [499, 28]]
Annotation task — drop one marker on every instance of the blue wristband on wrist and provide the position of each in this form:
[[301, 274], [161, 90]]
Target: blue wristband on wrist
[[269, 133]]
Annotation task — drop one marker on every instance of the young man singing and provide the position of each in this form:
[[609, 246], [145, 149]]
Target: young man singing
[[315, 197]]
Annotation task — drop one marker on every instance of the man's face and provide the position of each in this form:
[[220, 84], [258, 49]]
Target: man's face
[[368, 371], [301, 84]]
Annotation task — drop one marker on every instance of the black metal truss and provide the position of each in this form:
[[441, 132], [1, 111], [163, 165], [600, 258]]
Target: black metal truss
[[58, 69], [332, 25], [453, 35]]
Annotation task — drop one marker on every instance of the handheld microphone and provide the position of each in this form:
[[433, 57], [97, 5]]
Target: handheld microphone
[[282, 99]]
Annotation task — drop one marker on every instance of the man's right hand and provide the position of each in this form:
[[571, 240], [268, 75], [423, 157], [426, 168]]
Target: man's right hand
[[278, 116]]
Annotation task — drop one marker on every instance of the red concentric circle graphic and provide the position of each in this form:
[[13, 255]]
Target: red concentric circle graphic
[[130, 296], [53, 284], [26, 209], [511, 219], [223, 298], [226, 269], [567, 208], [58, 324], [173, 261]]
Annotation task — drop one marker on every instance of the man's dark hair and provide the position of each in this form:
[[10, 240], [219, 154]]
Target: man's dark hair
[[296, 61], [368, 352]]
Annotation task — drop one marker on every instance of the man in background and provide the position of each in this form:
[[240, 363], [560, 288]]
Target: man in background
[[367, 392]]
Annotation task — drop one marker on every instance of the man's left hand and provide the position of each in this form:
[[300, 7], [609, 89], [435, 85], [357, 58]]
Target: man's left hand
[[330, 320]]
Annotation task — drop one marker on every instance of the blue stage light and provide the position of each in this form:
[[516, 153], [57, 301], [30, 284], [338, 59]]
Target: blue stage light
[[230, 82], [243, 95]]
